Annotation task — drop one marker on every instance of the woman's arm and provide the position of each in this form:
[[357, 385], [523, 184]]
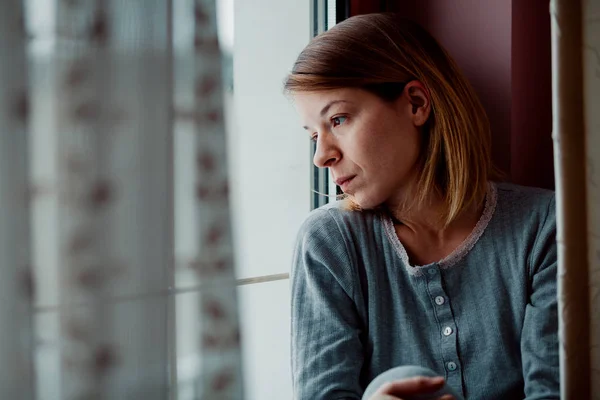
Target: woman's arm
[[327, 354], [539, 339]]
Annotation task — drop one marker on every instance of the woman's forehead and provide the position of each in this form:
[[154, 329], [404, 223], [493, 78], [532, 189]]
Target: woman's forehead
[[316, 101], [326, 95]]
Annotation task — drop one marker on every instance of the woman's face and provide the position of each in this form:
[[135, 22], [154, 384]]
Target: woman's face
[[370, 146]]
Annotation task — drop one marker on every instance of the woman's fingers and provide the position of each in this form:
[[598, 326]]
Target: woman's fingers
[[412, 386]]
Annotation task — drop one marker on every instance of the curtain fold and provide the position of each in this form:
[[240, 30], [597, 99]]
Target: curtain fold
[[16, 290], [591, 78], [219, 329], [576, 101]]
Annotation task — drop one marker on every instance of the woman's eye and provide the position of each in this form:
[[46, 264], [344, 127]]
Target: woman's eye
[[313, 138], [336, 121]]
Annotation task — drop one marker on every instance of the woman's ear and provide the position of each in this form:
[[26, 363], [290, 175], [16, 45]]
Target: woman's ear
[[419, 102]]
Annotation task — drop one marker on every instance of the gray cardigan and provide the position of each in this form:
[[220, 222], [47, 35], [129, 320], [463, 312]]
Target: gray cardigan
[[485, 317]]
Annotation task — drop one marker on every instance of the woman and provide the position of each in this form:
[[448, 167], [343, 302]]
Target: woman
[[426, 262]]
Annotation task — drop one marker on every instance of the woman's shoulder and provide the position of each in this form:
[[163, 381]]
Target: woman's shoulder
[[335, 219], [525, 200], [527, 216], [523, 191], [329, 242]]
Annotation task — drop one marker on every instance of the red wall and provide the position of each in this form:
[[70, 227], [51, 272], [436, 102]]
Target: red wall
[[503, 47], [532, 160]]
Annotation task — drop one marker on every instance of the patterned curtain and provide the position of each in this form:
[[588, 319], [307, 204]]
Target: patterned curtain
[[576, 102], [107, 99]]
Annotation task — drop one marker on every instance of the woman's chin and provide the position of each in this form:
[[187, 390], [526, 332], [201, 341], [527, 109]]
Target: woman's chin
[[364, 202]]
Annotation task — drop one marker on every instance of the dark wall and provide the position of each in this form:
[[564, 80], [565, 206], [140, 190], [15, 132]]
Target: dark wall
[[532, 161]]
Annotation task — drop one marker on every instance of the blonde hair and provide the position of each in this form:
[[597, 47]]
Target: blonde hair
[[382, 52]]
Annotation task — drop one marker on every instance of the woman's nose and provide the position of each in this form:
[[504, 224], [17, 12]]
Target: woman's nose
[[327, 153]]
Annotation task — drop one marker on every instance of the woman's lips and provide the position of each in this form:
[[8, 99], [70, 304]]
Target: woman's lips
[[344, 182]]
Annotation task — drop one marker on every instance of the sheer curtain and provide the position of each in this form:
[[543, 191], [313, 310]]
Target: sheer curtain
[[101, 107]]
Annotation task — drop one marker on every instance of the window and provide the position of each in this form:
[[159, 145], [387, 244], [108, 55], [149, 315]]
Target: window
[[326, 13]]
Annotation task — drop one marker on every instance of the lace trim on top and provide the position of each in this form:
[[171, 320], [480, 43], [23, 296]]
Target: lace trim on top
[[458, 253]]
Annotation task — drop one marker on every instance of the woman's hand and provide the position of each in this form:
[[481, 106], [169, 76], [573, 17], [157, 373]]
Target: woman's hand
[[407, 388]]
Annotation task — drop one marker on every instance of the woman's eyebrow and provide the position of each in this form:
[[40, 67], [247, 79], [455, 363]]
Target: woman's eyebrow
[[331, 103], [327, 107]]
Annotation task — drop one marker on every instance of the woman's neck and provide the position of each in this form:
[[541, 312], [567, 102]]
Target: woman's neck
[[423, 231]]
